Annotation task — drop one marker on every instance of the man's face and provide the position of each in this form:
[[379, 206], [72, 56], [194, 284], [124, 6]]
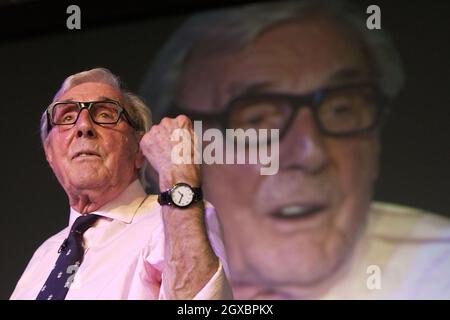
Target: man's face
[[89, 157], [329, 179]]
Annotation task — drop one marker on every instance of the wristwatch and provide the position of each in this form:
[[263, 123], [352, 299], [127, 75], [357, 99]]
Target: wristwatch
[[181, 195]]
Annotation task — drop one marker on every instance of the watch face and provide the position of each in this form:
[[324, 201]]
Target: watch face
[[182, 195]]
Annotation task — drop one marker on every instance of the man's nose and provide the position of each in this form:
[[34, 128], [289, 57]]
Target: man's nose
[[303, 145], [84, 125]]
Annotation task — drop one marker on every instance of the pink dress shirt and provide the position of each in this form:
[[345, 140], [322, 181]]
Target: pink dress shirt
[[124, 254]]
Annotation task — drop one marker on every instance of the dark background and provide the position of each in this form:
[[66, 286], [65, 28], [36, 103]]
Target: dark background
[[37, 52]]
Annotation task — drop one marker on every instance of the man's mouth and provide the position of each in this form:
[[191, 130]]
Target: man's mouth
[[85, 154], [296, 211]]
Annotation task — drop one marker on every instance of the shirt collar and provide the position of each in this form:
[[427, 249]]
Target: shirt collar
[[122, 208]]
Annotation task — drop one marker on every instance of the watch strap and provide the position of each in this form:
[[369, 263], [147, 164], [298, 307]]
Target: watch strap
[[164, 198], [198, 194]]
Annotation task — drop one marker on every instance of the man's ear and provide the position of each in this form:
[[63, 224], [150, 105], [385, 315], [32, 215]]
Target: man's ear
[[48, 151]]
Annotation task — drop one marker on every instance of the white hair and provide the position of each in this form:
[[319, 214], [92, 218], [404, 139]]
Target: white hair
[[226, 30], [137, 110]]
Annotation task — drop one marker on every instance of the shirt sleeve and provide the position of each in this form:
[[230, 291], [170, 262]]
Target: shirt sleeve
[[218, 287]]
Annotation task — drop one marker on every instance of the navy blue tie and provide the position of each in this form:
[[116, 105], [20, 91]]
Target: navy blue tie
[[70, 258]]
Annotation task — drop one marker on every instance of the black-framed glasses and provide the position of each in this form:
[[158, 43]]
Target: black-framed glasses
[[103, 112], [338, 111]]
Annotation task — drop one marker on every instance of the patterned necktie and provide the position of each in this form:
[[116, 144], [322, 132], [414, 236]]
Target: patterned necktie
[[70, 257]]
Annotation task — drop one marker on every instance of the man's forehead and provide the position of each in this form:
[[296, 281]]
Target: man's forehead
[[90, 91], [293, 57]]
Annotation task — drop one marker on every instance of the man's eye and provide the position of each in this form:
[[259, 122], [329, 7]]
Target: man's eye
[[342, 109], [67, 118], [254, 119], [105, 115], [340, 106], [257, 114]]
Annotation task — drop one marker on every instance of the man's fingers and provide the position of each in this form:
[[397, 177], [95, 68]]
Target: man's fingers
[[183, 121]]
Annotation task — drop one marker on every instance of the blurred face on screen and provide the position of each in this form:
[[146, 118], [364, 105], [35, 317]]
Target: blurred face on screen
[[295, 229]]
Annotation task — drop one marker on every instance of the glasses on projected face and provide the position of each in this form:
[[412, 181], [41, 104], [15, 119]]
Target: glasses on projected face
[[101, 112], [338, 111]]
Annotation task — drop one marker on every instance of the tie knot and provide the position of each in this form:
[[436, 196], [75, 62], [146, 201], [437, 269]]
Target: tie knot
[[84, 222]]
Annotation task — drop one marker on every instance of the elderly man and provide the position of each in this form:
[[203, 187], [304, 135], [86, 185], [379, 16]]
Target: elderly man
[[312, 70], [121, 243]]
